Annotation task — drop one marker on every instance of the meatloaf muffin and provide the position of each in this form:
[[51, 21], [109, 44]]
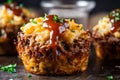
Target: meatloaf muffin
[[12, 16], [51, 45], [106, 36]]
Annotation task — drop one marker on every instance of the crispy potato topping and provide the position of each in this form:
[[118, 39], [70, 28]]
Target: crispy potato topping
[[8, 18], [35, 27], [104, 27]]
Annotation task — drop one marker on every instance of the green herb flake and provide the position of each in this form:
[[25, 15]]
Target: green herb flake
[[21, 5], [60, 20], [73, 31], [45, 16], [113, 15], [9, 1], [117, 19], [55, 18], [9, 68], [33, 21], [110, 77], [29, 75]]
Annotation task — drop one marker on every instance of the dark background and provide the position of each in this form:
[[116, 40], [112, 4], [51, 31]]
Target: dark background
[[101, 5]]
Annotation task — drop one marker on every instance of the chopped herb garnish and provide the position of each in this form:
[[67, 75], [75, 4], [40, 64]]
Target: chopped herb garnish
[[45, 16], [115, 15], [117, 19], [110, 77], [55, 18], [21, 5], [72, 30], [60, 20], [29, 75], [33, 21], [9, 1], [9, 68]]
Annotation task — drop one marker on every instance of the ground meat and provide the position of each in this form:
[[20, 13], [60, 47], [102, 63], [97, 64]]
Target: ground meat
[[107, 49], [110, 39], [38, 58]]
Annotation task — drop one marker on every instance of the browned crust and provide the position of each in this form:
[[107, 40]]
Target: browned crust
[[107, 47], [7, 36], [37, 58], [109, 38]]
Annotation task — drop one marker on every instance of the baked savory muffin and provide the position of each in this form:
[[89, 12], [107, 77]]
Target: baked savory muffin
[[53, 46], [12, 16], [106, 36]]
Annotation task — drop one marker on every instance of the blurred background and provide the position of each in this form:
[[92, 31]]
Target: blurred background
[[87, 12]]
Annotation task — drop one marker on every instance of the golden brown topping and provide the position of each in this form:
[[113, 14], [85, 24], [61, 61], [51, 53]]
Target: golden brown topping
[[115, 19], [67, 30], [17, 10], [109, 24], [53, 28], [13, 15]]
